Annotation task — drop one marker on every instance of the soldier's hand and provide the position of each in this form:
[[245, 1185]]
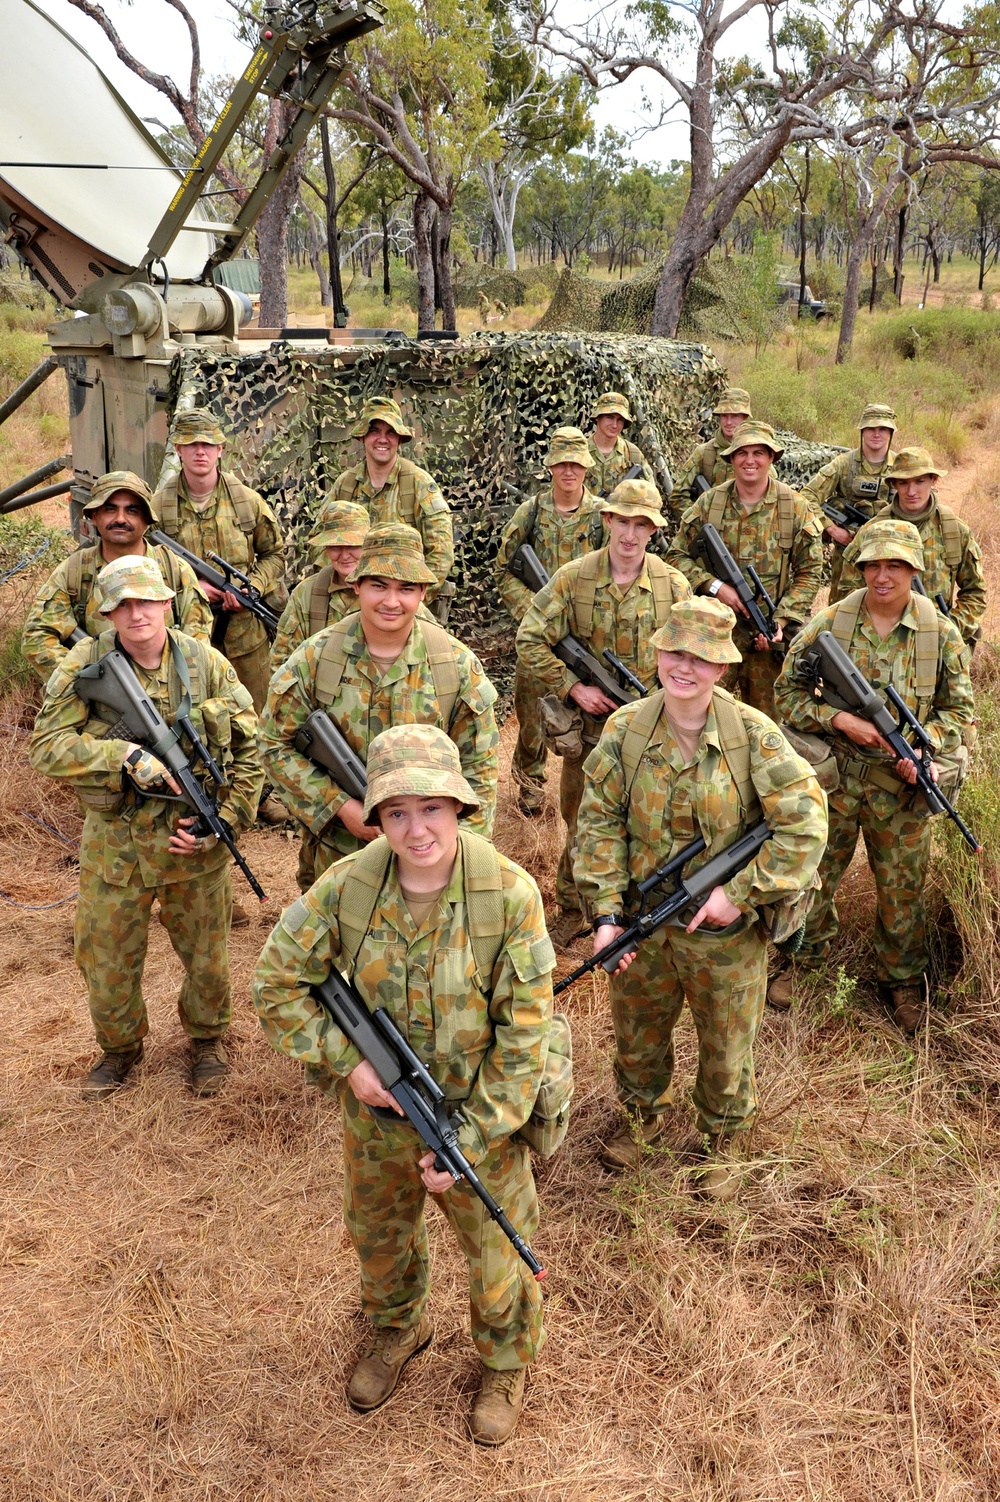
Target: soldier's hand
[[230, 602], [717, 912], [838, 534], [434, 1180], [148, 774], [591, 699], [607, 934], [728, 596], [907, 769], [352, 816], [215, 596], [761, 643], [861, 732], [368, 1088], [184, 842]]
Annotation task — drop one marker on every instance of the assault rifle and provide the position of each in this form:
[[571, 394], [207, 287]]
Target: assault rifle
[[221, 577], [701, 485], [635, 473], [112, 681], [942, 604], [322, 740], [689, 893], [847, 516], [415, 1090], [724, 566], [843, 686], [527, 566]]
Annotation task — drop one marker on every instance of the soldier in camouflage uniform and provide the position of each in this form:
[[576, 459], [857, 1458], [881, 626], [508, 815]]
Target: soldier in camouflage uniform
[[706, 466], [134, 846], [325, 597], [692, 760], [561, 522], [883, 628], [615, 598], [614, 454], [120, 508], [378, 667], [405, 932], [953, 563], [857, 477], [767, 524], [394, 489]]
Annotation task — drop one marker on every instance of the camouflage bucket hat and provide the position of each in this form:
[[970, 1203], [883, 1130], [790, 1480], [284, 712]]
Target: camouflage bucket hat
[[733, 399], [419, 761], [614, 404], [636, 498], [910, 464], [753, 432], [340, 524], [107, 485], [889, 539], [877, 416], [702, 626], [568, 446], [132, 577], [382, 409], [197, 426], [393, 551]]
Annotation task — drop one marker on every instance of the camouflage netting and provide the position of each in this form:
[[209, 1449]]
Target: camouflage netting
[[494, 282]]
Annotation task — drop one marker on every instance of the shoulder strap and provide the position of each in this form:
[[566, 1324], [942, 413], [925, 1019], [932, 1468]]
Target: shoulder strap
[[529, 536], [952, 536], [735, 745], [359, 895], [407, 491], [709, 459], [928, 649], [246, 511], [166, 506], [638, 733], [846, 619], [717, 508], [661, 586], [635, 453], [80, 576], [585, 593], [786, 533], [440, 648], [331, 665], [319, 599]]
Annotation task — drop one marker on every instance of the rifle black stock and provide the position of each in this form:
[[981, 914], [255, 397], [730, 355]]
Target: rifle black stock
[[635, 473], [917, 586], [112, 681], [325, 745], [847, 516], [221, 578], [724, 566], [527, 566], [691, 892], [416, 1092]]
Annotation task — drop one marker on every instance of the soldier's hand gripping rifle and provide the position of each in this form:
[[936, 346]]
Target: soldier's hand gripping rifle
[[527, 566], [112, 681], [416, 1092], [844, 687], [724, 566], [847, 516], [323, 742], [692, 892], [221, 577], [916, 584]]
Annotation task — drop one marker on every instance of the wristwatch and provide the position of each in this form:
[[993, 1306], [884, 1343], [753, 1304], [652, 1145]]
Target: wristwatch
[[714, 587], [609, 920]]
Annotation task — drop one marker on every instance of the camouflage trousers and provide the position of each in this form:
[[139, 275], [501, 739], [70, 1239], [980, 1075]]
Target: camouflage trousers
[[570, 794], [836, 571], [898, 846], [384, 1213], [723, 977], [111, 935], [530, 754], [754, 678], [253, 670], [316, 856]]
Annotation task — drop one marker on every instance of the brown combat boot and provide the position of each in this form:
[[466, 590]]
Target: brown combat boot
[[110, 1072], [531, 799], [909, 1005], [498, 1406], [209, 1067], [376, 1374], [627, 1148], [272, 811], [722, 1179], [571, 924], [781, 988]]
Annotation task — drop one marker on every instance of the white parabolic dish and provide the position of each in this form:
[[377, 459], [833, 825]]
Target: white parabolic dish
[[57, 106]]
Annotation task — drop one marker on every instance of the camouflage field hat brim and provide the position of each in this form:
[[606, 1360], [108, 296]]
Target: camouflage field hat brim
[[419, 761], [197, 426], [753, 432], [877, 416], [702, 626], [108, 485], [636, 498], [911, 464], [133, 577], [613, 404], [568, 446], [340, 524], [382, 409], [393, 551], [888, 540], [733, 399]]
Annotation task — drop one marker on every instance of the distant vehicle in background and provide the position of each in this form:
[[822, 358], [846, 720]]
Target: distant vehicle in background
[[811, 307]]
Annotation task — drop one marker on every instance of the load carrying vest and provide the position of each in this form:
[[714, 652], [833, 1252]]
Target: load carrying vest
[[319, 599], [585, 591], [440, 649], [786, 526], [864, 487], [243, 499], [82, 571], [484, 915], [928, 650], [406, 484], [732, 736]]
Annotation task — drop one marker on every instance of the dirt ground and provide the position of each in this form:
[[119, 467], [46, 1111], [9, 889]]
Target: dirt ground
[[181, 1308]]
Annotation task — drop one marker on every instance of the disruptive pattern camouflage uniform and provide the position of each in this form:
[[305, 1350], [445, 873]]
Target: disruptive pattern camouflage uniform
[[835, 481], [260, 555], [429, 512], [294, 627], [366, 704], [704, 459], [610, 468], [124, 857], [753, 538], [486, 1053], [897, 840], [54, 615], [557, 539], [624, 621], [625, 834]]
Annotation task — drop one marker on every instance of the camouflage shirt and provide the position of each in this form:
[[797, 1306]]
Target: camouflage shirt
[[963, 587], [892, 661], [294, 626], [216, 529], [367, 703], [121, 831], [555, 538], [624, 620], [835, 481], [610, 468], [624, 834], [59, 607], [429, 511], [485, 1051], [753, 538], [703, 460]]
